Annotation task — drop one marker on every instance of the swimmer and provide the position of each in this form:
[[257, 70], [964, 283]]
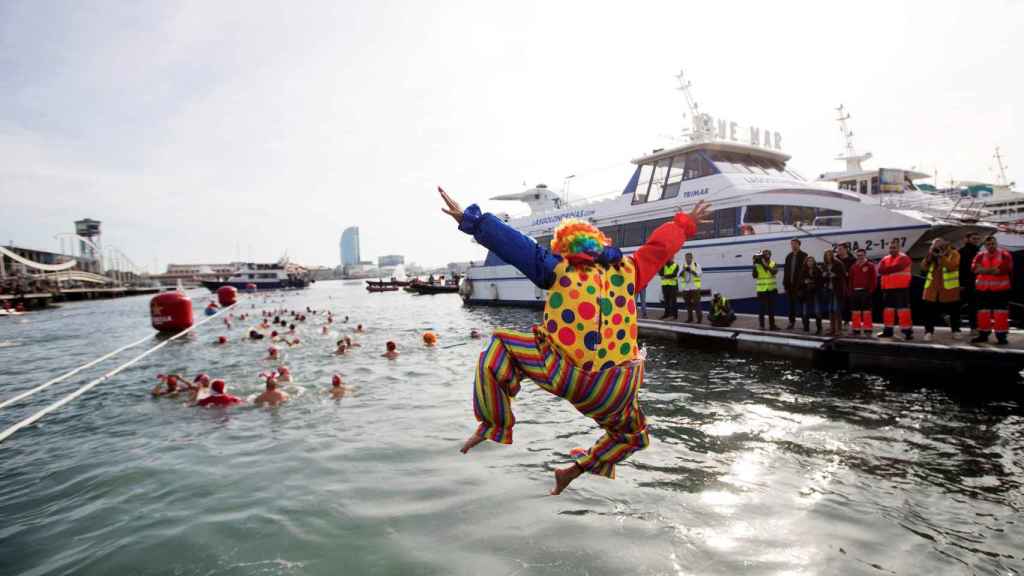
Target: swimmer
[[271, 396], [324, 330], [254, 335], [273, 336], [359, 327], [222, 339], [200, 388], [284, 374], [340, 350], [346, 319], [474, 333], [338, 389], [291, 329], [350, 343], [219, 397], [227, 322], [272, 353], [429, 339], [168, 386], [294, 342], [392, 351]]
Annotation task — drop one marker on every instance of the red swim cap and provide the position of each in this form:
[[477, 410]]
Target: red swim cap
[[217, 386], [336, 380], [222, 340]]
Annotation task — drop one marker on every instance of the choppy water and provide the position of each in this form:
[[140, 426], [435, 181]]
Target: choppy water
[[754, 467]]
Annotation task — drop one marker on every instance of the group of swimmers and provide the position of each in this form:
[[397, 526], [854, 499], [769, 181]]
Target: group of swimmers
[[204, 391]]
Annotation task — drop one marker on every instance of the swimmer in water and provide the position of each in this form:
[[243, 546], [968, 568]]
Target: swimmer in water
[[271, 396], [324, 330], [392, 351], [168, 386], [338, 389], [284, 374], [429, 339], [222, 339], [200, 388], [219, 397], [350, 343], [254, 335], [359, 328], [341, 349], [272, 353], [474, 333]]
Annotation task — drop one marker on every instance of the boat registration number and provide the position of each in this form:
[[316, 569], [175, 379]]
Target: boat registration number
[[882, 244]]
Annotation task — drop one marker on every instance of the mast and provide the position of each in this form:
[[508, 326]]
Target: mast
[[853, 160], [700, 129], [1001, 168]]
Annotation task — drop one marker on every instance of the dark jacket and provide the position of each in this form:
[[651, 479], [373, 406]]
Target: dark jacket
[[967, 254], [793, 270], [835, 277], [810, 283]]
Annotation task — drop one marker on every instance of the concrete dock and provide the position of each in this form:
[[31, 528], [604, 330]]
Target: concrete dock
[[36, 300], [942, 358]]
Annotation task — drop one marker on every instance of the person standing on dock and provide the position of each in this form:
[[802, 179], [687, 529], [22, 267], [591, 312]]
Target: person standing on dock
[[792, 274], [968, 295], [941, 268], [863, 279], [691, 288], [764, 273], [993, 268], [847, 258], [894, 270], [586, 349], [810, 295], [670, 288], [834, 285]]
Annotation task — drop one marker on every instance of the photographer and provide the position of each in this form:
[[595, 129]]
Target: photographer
[[764, 272], [941, 268]]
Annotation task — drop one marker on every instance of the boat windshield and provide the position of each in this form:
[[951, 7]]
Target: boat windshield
[[731, 162]]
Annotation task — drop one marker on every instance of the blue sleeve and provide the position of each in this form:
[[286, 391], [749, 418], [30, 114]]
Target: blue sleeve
[[512, 246]]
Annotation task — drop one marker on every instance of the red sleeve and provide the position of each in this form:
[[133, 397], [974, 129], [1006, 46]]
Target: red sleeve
[[662, 245]]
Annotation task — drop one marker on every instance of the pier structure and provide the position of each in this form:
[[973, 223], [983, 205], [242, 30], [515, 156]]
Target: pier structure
[[943, 358]]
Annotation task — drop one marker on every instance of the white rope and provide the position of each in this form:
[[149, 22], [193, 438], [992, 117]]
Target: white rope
[[63, 377], [38, 415]]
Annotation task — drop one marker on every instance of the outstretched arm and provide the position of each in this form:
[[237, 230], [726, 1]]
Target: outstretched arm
[[512, 246], [664, 242]]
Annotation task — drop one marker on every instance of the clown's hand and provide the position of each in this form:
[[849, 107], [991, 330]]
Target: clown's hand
[[700, 212], [453, 208]]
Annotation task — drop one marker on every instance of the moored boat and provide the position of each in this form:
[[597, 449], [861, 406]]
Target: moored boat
[[251, 276]]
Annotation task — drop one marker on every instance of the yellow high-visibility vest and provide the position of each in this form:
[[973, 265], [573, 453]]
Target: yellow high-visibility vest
[[668, 274], [765, 279]]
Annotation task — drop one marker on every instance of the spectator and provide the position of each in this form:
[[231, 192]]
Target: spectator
[[791, 281], [834, 285], [863, 278], [941, 267], [968, 295], [721, 312], [691, 288], [764, 272], [810, 295]]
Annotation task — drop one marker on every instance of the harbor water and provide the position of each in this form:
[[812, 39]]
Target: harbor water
[[755, 467]]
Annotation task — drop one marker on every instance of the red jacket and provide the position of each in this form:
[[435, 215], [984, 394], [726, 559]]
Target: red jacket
[[1001, 282], [897, 269], [863, 276]]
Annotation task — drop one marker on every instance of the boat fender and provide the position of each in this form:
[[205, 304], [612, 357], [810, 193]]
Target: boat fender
[[171, 311]]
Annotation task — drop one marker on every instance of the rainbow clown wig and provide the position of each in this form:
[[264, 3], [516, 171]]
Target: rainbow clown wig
[[573, 236]]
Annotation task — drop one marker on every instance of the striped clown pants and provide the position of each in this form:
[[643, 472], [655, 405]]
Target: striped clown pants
[[609, 396]]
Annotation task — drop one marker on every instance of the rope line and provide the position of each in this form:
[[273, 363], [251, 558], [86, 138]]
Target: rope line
[[38, 415], [67, 375]]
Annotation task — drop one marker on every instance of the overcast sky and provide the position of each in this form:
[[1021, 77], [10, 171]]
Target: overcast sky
[[200, 130]]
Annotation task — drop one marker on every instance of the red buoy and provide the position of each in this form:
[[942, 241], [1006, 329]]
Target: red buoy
[[171, 311], [227, 295]]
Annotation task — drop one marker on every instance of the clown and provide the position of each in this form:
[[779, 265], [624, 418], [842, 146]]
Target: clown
[[585, 350]]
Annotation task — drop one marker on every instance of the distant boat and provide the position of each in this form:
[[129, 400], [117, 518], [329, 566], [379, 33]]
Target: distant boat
[[381, 288], [253, 276], [427, 288]]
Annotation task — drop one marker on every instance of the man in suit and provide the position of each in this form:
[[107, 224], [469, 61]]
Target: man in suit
[[792, 278]]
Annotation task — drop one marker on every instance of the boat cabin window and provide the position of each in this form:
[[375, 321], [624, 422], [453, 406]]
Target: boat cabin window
[[737, 163], [850, 185], [663, 179], [874, 185], [801, 216], [863, 186], [721, 224]]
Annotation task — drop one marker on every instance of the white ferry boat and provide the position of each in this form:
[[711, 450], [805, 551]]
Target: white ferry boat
[[758, 203], [257, 276]]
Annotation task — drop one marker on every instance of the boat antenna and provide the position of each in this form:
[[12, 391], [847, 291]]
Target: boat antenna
[[700, 123], [1001, 168], [853, 160]]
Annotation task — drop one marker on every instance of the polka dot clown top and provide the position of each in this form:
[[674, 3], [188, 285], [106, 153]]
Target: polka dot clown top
[[590, 311]]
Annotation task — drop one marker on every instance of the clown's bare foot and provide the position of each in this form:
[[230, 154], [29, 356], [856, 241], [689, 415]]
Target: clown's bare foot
[[470, 442], [564, 477]]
